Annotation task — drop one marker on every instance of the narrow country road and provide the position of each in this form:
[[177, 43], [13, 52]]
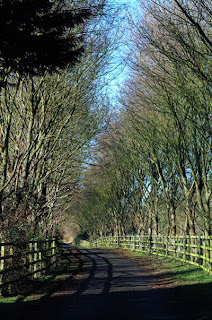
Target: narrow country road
[[112, 288]]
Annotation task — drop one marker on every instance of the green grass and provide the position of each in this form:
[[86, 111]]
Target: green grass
[[178, 272], [9, 299], [46, 277]]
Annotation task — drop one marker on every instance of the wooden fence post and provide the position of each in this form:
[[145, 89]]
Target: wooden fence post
[[53, 253], [184, 249], [35, 259], [10, 287], [167, 245], [189, 248], [2, 256], [208, 254], [205, 252], [30, 257], [2, 262], [133, 239], [150, 244], [40, 263], [43, 256], [196, 250]]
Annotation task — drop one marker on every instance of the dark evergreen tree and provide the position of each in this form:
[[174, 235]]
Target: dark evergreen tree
[[39, 34]]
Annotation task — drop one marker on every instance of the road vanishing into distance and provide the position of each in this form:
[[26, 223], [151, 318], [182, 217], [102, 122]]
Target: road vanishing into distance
[[109, 286]]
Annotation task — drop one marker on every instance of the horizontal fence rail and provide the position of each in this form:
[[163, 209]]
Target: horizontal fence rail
[[196, 250], [25, 260]]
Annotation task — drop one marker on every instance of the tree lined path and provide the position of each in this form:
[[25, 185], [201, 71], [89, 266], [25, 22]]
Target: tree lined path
[[111, 287]]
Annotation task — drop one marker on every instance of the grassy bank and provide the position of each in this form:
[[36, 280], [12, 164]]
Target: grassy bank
[[168, 271]]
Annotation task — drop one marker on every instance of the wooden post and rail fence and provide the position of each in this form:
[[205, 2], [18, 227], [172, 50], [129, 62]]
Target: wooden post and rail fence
[[25, 260], [196, 250]]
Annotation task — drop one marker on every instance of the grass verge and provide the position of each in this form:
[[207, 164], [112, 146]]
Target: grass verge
[[168, 271]]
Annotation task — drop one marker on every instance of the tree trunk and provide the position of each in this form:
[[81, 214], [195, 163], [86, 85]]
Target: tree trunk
[[168, 223], [173, 221]]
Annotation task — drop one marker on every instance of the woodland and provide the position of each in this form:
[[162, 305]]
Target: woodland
[[152, 171], [53, 55], [141, 166]]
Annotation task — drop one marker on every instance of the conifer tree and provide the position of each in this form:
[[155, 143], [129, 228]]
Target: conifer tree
[[36, 35]]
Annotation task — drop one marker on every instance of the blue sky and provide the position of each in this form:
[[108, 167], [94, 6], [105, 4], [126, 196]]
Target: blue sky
[[120, 72]]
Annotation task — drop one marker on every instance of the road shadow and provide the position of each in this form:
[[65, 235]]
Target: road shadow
[[49, 283], [184, 302]]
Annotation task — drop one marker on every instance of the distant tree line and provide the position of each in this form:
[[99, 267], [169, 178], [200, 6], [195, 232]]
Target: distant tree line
[[153, 168]]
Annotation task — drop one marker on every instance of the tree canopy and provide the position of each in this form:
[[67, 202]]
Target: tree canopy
[[156, 176]]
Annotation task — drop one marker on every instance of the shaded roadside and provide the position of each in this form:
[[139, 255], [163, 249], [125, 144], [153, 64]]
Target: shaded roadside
[[68, 265], [113, 287]]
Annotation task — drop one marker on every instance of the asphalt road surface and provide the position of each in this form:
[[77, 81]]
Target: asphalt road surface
[[110, 287]]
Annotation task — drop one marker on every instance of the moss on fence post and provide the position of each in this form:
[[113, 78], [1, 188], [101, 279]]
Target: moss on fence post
[[2, 256], [53, 254], [184, 249], [208, 253], [196, 249], [2, 262], [210, 262], [30, 257], [35, 259]]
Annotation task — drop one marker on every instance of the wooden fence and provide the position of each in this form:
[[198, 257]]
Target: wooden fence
[[195, 250], [25, 260]]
